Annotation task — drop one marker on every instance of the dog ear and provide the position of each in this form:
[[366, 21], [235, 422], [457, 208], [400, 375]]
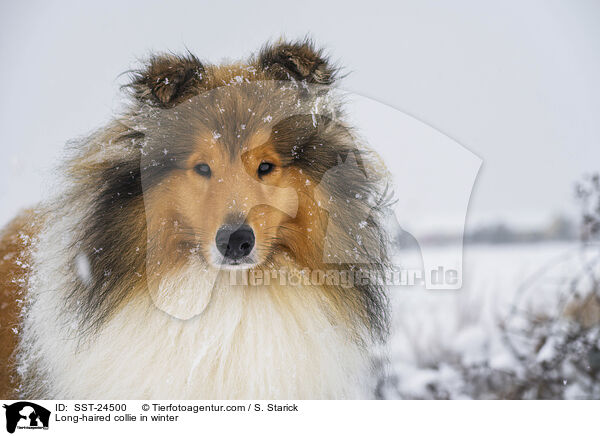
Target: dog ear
[[167, 79], [297, 61]]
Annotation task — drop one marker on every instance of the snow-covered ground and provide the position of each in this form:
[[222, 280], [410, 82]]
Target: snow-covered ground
[[436, 332]]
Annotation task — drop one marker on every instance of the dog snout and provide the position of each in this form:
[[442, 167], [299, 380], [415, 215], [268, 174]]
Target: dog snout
[[235, 243]]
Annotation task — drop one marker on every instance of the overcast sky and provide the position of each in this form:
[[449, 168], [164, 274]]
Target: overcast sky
[[515, 82]]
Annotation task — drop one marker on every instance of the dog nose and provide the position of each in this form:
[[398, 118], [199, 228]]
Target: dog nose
[[235, 243]]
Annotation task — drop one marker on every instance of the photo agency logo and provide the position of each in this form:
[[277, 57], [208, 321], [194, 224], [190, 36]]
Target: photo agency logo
[[296, 182], [25, 415]]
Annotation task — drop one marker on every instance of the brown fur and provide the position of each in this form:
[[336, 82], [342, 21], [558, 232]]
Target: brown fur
[[15, 243]]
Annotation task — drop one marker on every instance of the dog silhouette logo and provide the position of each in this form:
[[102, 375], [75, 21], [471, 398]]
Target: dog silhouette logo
[[26, 415]]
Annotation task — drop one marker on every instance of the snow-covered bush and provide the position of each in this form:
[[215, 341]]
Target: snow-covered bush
[[546, 345]]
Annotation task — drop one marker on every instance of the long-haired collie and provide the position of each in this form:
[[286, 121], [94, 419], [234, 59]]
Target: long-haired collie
[[204, 244]]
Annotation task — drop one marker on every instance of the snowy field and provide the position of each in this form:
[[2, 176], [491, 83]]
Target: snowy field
[[437, 334]]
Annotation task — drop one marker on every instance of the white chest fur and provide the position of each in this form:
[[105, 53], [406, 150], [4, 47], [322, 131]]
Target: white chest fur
[[250, 342]]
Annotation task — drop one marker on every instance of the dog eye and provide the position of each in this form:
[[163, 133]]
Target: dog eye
[[265, 168], [203, 169]]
